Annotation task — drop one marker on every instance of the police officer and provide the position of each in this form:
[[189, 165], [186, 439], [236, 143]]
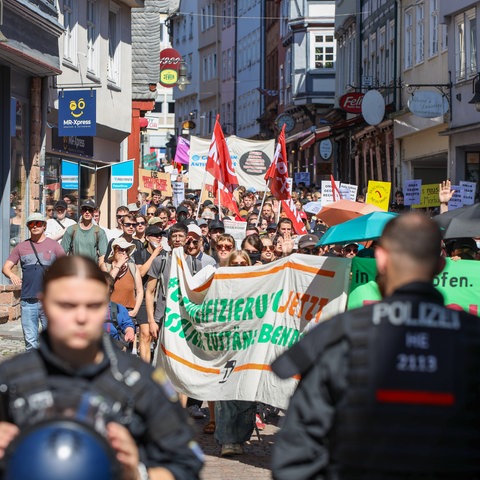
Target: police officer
[[390, 390], [77, 374]]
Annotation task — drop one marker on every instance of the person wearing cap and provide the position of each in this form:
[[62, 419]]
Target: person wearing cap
[[86, 238], [35, 255], [307, 244], [464, 249], [389, 390], [128, 288], [133, 208], [350, 250], [57, 226], [182, 214], [158, 276], [196, 259], [215, 228]]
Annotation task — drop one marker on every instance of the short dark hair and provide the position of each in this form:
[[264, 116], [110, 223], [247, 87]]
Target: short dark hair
[[176, 228]]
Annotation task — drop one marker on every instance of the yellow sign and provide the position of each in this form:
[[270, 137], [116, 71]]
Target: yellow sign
[[169, 76], [429, 196], [378, 194]]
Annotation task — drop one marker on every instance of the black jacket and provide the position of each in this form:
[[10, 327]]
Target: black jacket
[[388, 391]]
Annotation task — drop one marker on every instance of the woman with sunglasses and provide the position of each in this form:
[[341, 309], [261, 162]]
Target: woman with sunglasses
[[140, 228], [253, 245], [268, 250], [225, 245]]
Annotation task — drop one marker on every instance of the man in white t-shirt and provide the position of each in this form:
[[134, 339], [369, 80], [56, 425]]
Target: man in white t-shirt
[[57, 226]]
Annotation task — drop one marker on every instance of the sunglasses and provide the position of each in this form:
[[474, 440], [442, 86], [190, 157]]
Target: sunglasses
[[37, 224], [268, 247], [49, 209], [221, 246], [351, 250], [121, 250], [194, 242], [129, 224], [87, 209], [141, 223]]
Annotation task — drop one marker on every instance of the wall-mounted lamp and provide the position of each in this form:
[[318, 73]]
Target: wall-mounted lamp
[[182, 81], [476, 90]]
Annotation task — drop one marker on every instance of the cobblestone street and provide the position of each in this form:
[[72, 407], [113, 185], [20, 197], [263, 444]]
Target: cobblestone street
[[253, 465]]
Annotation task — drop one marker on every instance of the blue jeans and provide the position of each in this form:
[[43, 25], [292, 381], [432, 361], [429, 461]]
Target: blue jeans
[[234, 421], [32, 313]]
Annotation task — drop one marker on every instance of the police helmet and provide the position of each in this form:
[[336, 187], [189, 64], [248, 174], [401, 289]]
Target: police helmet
[[61, 449]]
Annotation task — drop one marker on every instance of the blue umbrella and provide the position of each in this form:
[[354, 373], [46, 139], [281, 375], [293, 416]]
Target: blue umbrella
[[365, 227]]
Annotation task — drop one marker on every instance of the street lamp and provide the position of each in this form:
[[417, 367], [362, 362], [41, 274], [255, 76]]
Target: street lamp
[[476, 90], [182, 81]]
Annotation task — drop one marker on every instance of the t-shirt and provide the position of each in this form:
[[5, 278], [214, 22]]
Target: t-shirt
[[54, 229], [160, 269], [48, 251], [85, 241]]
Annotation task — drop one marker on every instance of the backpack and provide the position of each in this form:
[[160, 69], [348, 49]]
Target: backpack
[[96, 231]]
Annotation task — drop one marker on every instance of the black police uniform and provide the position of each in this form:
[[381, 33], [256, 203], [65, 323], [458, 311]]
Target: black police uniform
[[388, 391], [124, 389]]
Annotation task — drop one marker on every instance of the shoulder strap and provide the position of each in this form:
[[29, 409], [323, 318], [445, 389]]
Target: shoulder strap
[[36, 253], [74, 232], [60, 223], [114, 314]]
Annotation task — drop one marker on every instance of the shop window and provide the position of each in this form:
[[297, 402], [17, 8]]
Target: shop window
[[472, 170], [18, 185]]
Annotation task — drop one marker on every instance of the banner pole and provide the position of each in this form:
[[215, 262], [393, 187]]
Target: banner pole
[[202, 190], [261, 205]]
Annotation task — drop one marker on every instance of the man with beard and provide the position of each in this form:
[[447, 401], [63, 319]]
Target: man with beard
[[390, 390]]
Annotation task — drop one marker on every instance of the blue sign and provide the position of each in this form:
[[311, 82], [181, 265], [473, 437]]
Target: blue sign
[[77, 113], [69, 175], [122, 175]]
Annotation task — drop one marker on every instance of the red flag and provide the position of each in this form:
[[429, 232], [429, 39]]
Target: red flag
[[220, 165], [277, 174], [335, 190], [293, 214]]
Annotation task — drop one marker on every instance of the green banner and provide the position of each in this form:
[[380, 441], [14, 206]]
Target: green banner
[[459, 283]]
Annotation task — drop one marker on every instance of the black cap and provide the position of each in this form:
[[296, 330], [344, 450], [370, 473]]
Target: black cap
[[88, 203], [206, 203], [61, 204], [153, 230], [181, 209], [272, 226], [216, 224]]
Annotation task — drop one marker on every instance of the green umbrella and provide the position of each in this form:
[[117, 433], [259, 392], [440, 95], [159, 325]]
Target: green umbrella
[[366, 227]]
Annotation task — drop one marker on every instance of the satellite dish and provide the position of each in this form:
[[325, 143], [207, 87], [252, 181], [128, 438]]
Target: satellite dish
[[373, 107]]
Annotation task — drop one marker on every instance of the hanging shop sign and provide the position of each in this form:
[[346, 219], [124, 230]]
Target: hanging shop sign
[[351, 102], [75, 145], [169, 65], [325, 148], [69, 175], [428, 104], [122, 175], [373, 107], [77, 113]]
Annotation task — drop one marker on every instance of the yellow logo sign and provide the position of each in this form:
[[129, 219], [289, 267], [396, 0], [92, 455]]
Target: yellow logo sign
[[77, 107], [169, 76]]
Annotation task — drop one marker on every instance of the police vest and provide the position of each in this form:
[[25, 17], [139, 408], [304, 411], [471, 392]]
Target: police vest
[[412, 405]]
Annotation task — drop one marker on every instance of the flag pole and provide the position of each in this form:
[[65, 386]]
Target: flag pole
[[201, 192], [220, 213]]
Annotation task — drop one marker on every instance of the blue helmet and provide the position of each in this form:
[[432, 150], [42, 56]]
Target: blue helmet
[[61, 450]]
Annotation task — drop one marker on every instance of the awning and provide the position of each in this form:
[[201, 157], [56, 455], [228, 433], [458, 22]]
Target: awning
[[319, 134], [297, 136]]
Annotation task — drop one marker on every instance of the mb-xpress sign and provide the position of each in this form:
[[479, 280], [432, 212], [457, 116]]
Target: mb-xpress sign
[[77, 113]]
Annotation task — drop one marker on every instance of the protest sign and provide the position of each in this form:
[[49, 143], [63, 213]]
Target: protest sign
[[302, 177], [429, 196], [348, 191], [378, 194], [468, 192], [412, 192], [327, 192], [221, 334], [236, 230], [178, 189], [457, 199], [149, 180]]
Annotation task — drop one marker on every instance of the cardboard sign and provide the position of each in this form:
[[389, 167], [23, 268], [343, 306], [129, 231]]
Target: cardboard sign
[[149, 180], [428, 197], [412, 192], [378, 194]]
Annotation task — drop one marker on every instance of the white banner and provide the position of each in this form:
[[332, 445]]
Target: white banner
[[224, 328], [251, 159]]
